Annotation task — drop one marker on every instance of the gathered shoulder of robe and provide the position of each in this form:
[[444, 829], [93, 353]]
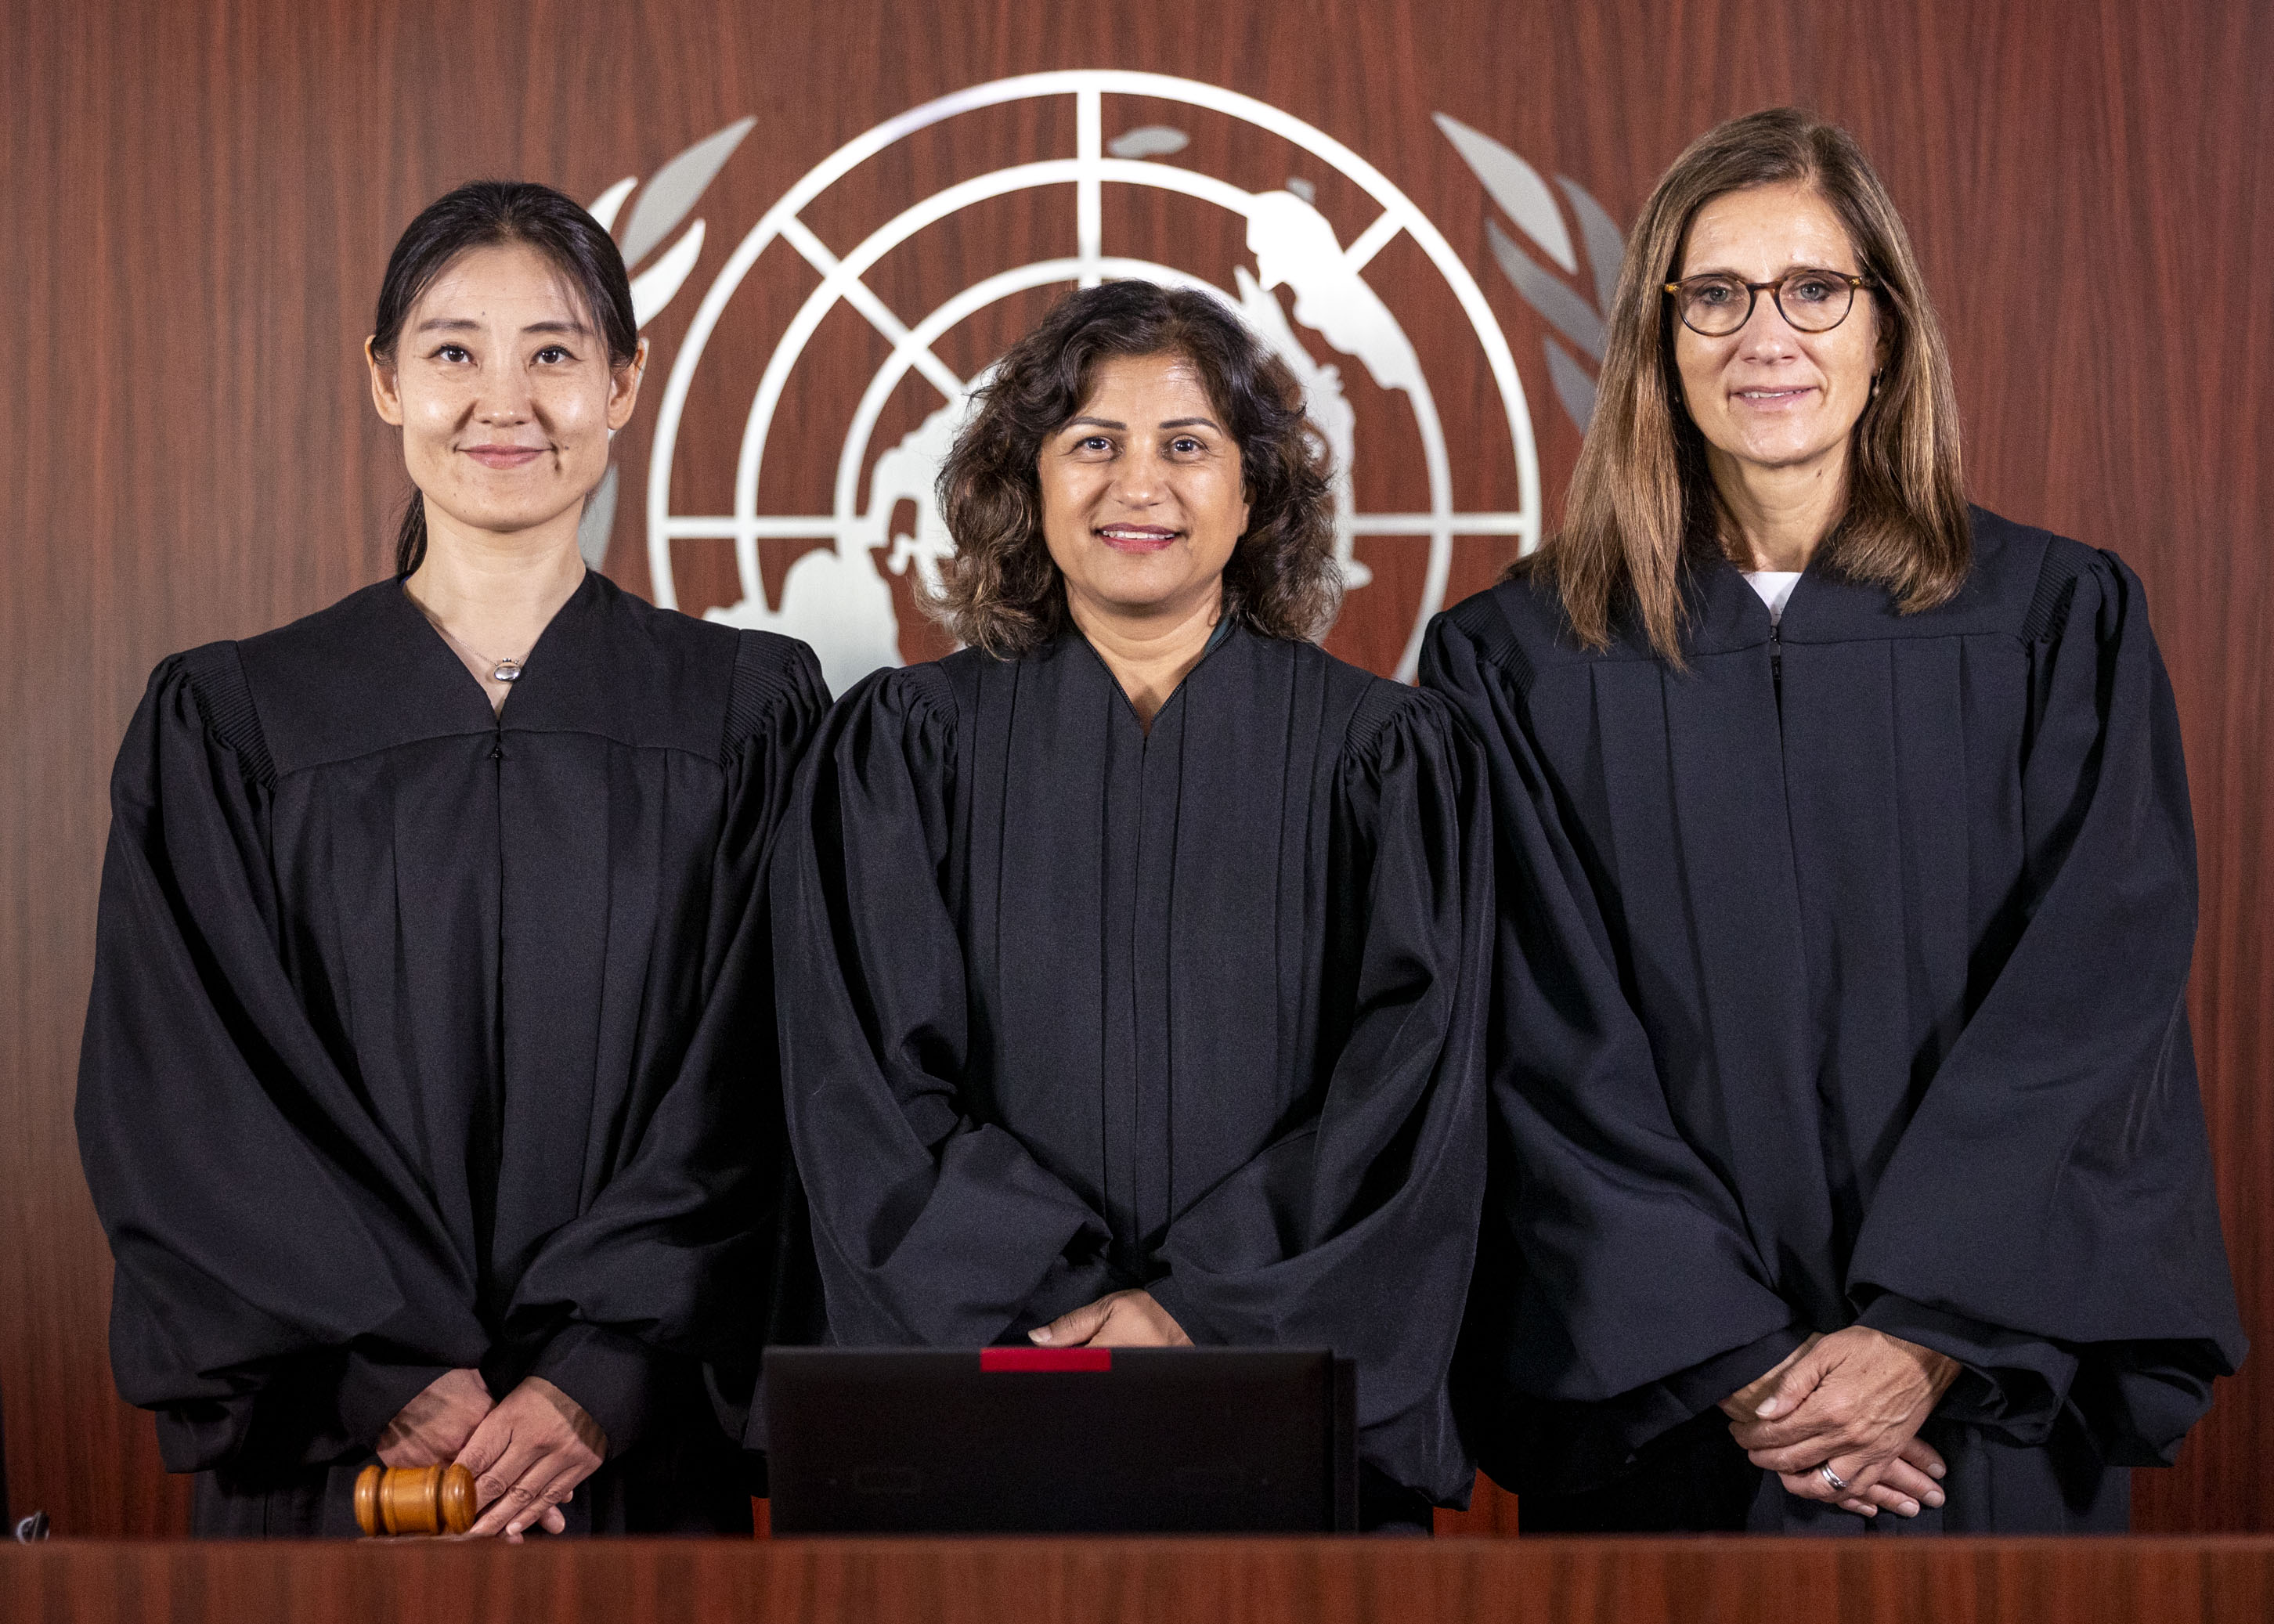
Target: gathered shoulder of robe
[[424, 1037], [1841, 979], [1069, 1009]]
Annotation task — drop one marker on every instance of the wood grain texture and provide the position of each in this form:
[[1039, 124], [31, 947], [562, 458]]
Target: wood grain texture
[[1153, 1581], [1491, 1513], [202, 195]]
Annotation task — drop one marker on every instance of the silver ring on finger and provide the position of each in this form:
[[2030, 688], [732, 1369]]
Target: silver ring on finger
[[1839, 1484]]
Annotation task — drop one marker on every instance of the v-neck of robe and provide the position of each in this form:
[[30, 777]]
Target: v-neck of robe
[[435, 644], [1224, 627], [1728, 614]]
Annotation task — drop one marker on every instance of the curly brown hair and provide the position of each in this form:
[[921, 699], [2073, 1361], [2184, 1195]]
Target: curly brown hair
[[1001, 591]]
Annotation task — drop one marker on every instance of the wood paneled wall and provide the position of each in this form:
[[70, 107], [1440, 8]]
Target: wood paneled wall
[[201, 197]]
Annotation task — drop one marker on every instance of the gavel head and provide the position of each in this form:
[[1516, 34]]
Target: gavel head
[[414, 1499]]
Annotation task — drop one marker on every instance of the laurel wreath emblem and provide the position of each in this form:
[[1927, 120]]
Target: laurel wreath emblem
[[1526, 199], [668, 200]]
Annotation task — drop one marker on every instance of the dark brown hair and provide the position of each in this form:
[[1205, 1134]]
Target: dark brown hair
[[1002, 592], [480, 215], [1642, 505]]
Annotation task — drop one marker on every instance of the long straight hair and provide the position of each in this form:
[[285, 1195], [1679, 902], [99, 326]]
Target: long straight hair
[[484, 213], [1642, 507]]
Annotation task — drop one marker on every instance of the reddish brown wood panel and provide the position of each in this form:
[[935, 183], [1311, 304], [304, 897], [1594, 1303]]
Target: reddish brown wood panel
[[202, 195], [1491, 1514], [1157, 1582]]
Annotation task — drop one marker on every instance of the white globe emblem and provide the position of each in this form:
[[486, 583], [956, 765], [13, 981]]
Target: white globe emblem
[[833, 598]]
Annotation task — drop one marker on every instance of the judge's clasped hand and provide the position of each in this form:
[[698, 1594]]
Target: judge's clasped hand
[[1852, 1401], [433, 1427], [527, 1457], [1118, 1320]]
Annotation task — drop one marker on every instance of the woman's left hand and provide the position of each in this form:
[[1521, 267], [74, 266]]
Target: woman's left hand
[[1850, 1402], [1119, 1319], [528, 1456]]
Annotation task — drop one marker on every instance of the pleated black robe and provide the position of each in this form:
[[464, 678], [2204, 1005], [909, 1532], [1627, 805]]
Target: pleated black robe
[[1841, 981], [424, 1037], [1068, 1008]]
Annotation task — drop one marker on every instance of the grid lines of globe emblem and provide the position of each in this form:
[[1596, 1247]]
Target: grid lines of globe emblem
[[836, 595]]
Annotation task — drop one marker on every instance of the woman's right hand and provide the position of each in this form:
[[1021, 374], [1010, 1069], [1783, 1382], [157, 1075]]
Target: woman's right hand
[[433, 1427], [1744, 1404], [1903, 1485], [1857, 1400], [1118, 1320]]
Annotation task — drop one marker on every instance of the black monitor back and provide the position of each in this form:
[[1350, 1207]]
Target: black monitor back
[[1061, 1440]]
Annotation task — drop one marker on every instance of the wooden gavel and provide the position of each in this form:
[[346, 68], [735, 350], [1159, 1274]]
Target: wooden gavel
[[414, 1499]]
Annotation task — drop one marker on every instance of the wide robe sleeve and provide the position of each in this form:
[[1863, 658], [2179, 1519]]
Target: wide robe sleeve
[[930, 1227], [1618, 1291], [256, 1213], [1357, 1228], [673, 1252], [2049, 1217]]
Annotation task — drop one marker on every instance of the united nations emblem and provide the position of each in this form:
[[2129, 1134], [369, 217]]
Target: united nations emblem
[[1301, 260]]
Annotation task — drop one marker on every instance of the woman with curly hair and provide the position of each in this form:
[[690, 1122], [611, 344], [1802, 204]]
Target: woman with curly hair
[[1132, 959]]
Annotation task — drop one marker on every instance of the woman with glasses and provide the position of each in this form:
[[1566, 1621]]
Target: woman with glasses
[[1850, 1171], [1133, 960]]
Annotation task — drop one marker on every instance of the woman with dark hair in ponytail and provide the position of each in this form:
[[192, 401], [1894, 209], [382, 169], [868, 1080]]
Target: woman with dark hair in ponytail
[[428, 1095]]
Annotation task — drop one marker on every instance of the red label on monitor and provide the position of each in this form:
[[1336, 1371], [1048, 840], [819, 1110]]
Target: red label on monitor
[[1046, 1358]]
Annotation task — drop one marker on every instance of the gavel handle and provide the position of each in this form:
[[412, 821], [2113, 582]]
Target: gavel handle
[[414, 1499]]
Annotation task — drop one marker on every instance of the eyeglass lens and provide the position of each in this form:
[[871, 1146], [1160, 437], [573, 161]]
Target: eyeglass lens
[[1813, 301]]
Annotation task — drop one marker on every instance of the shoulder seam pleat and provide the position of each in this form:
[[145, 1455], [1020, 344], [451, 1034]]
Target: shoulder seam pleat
[[1383, 703], [759, 687], [216, 677], [932, 698], [1495, 634], [2056, 591]]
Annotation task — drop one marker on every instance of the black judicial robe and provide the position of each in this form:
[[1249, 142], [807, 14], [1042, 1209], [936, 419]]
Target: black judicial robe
[[1067, 1008], [1841, 979], [424, 1037]]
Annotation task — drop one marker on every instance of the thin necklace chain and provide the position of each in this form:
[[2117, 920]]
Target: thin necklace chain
[[501, 670]]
